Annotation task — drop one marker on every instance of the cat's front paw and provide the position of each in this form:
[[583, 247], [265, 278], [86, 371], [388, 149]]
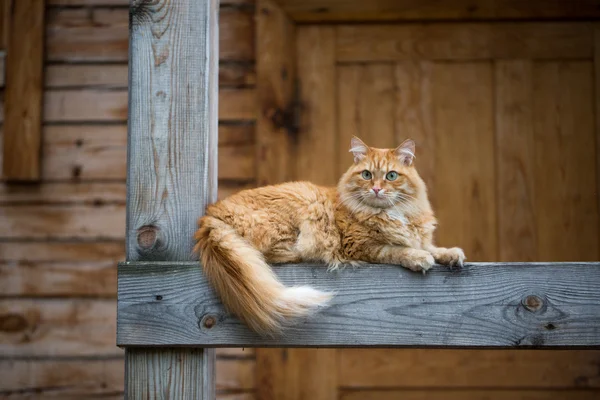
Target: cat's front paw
[[451, 257], [419, 260]]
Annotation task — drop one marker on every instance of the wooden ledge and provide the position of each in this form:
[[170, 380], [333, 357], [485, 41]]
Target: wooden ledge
[[483, 305]]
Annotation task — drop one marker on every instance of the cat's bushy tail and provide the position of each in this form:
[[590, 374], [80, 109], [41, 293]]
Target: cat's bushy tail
[[246, 284]]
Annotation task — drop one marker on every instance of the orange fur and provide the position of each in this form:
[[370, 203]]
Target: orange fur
[[366, 218]]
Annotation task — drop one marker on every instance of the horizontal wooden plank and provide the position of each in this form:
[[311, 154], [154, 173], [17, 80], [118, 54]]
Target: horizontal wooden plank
[[86, 379], [60, 327], [102, 34], [85, 105], [91, 152], [76, 252], [451, 368], [64, 76], [409, 10], [63, 193], [481, 305], [59, 279], [61, 378], [60, 222], [466, 394], [465, 41]]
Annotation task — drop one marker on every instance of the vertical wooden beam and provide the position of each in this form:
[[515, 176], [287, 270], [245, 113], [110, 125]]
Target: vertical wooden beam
[[597, 109], [23, 93], [172, 167], [292, 374], [276, 77], [515, 161]]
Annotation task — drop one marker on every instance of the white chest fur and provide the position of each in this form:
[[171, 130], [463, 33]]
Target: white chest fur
[[397, 215]]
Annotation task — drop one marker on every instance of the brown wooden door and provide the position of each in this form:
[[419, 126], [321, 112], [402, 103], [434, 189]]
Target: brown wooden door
[[503, 115]]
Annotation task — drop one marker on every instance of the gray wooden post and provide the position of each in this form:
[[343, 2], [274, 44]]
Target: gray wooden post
[[172, 168]]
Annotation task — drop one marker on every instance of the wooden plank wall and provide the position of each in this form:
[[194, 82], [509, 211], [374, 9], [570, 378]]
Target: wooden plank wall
[[60, 240]]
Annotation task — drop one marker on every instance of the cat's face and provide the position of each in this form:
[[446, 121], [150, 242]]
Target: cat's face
[[382, 178]]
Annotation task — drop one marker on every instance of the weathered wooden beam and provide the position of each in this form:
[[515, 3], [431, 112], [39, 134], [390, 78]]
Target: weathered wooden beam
[[506, 305], [172, 167]]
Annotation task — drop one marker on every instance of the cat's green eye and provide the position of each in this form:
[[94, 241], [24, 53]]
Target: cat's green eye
[[366, 174], [391, 176]]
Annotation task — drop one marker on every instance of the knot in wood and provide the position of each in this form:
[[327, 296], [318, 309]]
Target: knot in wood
[[532, 303], [209, 321], [12, 323], [147, 236]]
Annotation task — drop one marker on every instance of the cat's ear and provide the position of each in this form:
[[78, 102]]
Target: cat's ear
[[358, 149], [406, 152]]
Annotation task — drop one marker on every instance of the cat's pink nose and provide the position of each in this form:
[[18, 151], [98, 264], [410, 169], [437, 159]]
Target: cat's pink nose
[[376, 190]]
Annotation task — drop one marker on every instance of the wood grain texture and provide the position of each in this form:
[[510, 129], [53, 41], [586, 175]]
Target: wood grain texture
[[5, 7], [315, 48], [463, 41], [101, 34], [86, 193], [475, 394], [23, 92], [173, 373], [597, 107], [413, 116], [58, 327], [306, 374], [100, 76], [65, 379], [296, 374], [170, 134], [63, 193], [493, 370], [76, 222], [172, 168], [58, 279], [515, 159], [81, 152], [483, 305], [464, 154], [276, 73], [566, 198], [77, 379], [102, 106], [365, 101], [62, 251], [2, 74], [411, 10]]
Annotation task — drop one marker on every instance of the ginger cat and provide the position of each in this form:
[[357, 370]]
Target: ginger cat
[[379, 213]]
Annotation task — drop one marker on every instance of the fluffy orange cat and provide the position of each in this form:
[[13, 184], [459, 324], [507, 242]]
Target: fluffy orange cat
[[378, 213]]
